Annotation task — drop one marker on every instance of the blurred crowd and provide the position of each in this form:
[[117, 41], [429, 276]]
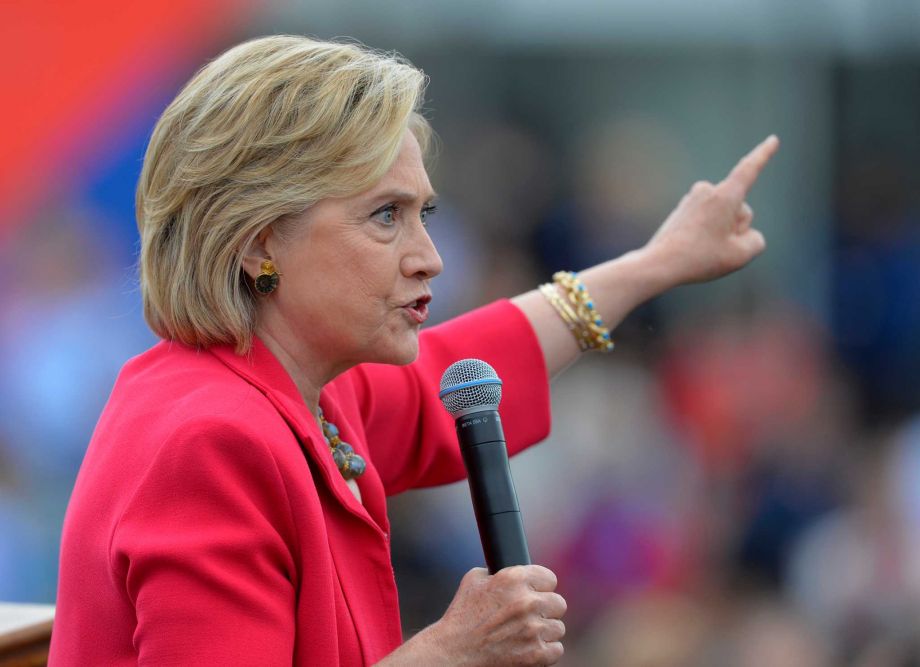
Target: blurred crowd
[[737, 484]]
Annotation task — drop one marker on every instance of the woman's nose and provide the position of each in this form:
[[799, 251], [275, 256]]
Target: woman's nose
[[421, 259]]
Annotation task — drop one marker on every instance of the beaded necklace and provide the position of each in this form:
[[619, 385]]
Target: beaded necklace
[[351, 465]]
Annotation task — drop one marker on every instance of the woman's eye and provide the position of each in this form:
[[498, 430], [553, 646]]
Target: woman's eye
[[386, 215], [426, 211]]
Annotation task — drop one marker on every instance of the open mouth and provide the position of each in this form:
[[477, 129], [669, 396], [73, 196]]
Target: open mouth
[[418, 309]]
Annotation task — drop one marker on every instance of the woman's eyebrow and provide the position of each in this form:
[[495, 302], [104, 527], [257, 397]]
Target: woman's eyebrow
[[403, 196]]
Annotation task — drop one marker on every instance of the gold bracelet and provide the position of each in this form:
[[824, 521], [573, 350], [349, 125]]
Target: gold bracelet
[[551, 294], [592, 326]]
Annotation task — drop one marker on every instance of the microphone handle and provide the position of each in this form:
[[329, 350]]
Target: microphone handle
[[495, 503]]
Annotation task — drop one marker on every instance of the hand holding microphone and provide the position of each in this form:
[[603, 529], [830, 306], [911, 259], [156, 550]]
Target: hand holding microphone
[[513, 615], [509, 615]]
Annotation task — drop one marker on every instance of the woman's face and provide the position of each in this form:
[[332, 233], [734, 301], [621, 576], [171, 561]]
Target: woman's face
[[355, 276]]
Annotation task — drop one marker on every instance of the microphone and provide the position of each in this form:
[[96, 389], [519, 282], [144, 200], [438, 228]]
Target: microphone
[[471, 391]]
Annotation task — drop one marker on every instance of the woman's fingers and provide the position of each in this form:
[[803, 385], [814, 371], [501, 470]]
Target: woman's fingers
[[752, 243], [743, 218], [743, 176], [554, 652], [553, 605], [539, 578], [475, 576], [553, 630]]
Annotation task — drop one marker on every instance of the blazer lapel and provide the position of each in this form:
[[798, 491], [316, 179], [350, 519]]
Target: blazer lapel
[[261, 369], [373, 494]]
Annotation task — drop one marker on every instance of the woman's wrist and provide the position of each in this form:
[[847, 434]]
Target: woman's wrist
[[622, 284], [425, 648], [657, 270]]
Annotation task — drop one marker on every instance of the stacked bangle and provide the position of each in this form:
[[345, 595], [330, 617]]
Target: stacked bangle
[[565, 311], [577, 310]]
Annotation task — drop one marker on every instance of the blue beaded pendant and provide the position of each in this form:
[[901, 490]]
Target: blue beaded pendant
[[351, 465]]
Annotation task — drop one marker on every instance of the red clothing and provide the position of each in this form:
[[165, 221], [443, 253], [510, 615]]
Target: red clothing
[[210, 526]]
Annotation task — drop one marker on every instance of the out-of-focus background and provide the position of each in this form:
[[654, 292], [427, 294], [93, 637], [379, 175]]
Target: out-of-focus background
[[739, 483]]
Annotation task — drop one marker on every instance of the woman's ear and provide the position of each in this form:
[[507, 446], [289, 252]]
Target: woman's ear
[[256, 253]]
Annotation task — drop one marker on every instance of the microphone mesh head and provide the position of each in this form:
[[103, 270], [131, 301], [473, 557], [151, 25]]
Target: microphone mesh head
[[486, 395]]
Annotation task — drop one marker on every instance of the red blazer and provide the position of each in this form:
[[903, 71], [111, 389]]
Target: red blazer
[[210, 526]]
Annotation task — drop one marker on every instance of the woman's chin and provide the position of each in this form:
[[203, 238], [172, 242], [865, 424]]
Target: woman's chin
[[407, 355], [399, 353]]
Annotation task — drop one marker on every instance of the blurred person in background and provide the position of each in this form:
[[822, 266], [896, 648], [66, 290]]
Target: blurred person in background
[[651, 630], [625, 171], [856, 573], [767, 418], [79, 293], [875, 298], [510, 170], [231, 504], [768, 633]]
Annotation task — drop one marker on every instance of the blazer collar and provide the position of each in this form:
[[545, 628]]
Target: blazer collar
[[263, 370]]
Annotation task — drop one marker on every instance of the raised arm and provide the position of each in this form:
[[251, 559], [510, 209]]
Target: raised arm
[[707, 236]]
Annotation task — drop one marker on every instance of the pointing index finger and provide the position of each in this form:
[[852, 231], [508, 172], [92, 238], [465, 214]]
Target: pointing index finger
[[745, 173]]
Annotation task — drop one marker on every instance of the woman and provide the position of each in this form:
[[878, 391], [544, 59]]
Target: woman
[[231, 505]]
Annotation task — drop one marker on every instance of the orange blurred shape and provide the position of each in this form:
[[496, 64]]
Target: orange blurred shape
[[69, 70]]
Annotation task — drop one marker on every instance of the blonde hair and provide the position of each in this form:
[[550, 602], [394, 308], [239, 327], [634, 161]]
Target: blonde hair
[[262, 132]]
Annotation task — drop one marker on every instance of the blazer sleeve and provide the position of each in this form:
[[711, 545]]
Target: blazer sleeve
[[411, 436], [200, 552]]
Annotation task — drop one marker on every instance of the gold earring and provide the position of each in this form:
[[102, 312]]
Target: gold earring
[[267, 281]]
